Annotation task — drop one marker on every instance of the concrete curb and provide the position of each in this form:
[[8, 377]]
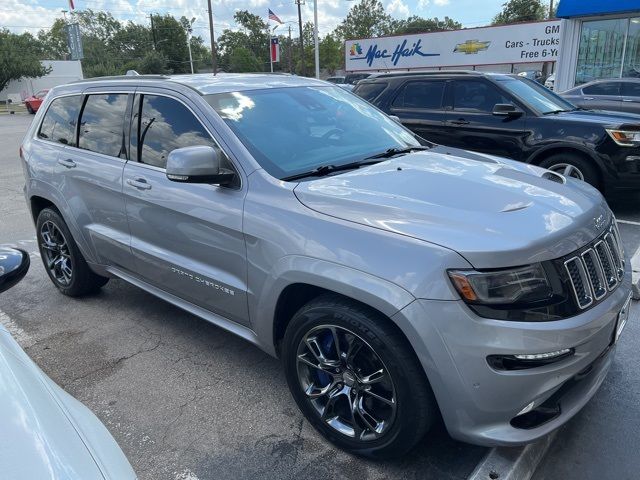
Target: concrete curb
[[512, 463], [635, 274]]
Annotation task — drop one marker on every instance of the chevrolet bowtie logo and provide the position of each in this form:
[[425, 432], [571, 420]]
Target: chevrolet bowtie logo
[[471, 46]]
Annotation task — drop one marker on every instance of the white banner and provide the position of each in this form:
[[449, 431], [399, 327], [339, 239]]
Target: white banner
[[521, 43]]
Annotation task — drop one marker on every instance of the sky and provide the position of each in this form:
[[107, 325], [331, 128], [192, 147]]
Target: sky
[[34, 15]]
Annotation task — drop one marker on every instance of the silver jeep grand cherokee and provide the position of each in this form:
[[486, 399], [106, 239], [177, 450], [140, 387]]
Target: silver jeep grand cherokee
[[396, 279]]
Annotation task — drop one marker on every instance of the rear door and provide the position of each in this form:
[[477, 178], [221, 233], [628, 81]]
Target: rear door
[[630, 97], [186, 238], [470, 123], [602, 96], [419, 105], [90, 175]]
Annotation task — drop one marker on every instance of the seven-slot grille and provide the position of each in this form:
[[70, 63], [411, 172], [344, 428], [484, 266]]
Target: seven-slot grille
[[598, 269]]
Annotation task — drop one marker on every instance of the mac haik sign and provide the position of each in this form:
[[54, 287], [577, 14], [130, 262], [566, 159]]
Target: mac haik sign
[[521, 43]]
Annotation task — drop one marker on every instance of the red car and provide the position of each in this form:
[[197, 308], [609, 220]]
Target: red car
[[33, 103]]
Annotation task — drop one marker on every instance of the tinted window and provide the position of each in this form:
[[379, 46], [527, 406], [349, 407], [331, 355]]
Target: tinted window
[[370, 91], [420, 95], [476, 96], [631, 89], [296, 129], [604, 88], [162, 125], [102, 124], [535, 95], [59, 124]]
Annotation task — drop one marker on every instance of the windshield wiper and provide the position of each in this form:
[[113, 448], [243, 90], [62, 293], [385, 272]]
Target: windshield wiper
[[392, 152], [550, 112], [324, 170]]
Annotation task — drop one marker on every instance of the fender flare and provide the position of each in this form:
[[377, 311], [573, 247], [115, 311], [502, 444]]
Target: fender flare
[[375, 292], [38, 188], [536, 156]]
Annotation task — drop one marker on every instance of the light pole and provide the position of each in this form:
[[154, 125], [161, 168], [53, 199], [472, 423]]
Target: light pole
[[189, 30], [315, 37]]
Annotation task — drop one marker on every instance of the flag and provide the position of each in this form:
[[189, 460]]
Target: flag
[[71, 5], [275, 49], [272, 16]]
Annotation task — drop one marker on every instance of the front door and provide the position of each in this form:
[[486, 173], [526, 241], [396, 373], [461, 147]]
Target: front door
[[186, 238], [471, 125]]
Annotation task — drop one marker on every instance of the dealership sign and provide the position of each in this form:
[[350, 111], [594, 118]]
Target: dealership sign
[[521, 43]]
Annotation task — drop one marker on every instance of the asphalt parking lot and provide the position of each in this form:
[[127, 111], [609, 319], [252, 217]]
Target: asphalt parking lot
[[186, 400]]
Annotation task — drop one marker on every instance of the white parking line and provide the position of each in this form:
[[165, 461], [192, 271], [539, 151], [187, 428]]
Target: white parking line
[[512, 463], [635, 274], [19, 335], [629, 222]]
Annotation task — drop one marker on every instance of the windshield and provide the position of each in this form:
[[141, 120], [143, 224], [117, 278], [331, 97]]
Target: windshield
[[294, 130], [539, 98]]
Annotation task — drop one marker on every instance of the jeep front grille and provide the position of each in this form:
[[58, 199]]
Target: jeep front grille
[[596, 269]]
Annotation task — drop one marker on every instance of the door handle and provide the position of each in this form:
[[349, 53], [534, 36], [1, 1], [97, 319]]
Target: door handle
[[627, 100], [460, 121], [588, 98], [139, 183], [67, 163]]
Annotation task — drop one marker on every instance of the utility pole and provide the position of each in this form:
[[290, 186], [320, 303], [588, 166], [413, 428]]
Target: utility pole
[[289, 51], [213, 45], [189, 30], [302, 67], [153, 32]]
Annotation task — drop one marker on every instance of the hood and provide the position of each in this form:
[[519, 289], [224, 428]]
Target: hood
[[494, 213], [600, 117], [38, 441]]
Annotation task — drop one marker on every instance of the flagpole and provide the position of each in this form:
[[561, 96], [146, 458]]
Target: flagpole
[[269, 39]]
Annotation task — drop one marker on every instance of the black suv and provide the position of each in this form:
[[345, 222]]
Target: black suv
[[513, 117]]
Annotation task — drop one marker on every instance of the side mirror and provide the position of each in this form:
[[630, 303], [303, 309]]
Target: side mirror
[[395, 118], [506, 110], [14, 265], [198, 164]]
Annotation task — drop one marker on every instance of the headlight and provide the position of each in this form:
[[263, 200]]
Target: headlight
[[626, 138], [502, 287]]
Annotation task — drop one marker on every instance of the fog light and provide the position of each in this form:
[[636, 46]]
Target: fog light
[[543, 356], [526, 409]]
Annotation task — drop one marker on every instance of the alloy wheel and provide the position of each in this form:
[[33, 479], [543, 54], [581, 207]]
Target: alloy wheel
[[55, 250], [346, 382], [568, 170]]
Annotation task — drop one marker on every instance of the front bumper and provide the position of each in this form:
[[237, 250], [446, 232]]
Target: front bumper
[[477, 402]]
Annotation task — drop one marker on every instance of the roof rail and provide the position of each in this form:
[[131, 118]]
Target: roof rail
[[425, 73]]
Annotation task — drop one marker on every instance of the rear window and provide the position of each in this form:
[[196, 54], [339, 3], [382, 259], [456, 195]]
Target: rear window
[[369, 91], [59, 123], [605, 88], [102, 124], [631, 89], [420, 94]]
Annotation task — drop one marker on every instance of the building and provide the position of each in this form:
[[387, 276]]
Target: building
[[599, 39], [62, 71]]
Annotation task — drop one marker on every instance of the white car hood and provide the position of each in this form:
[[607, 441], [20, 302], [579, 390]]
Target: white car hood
[[46, 434]]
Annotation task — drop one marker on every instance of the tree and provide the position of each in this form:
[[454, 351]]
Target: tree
[[19, 57], [171, 41], [243, 60], [416, 24], [520, 11], [331, 53], [365, 19], [252, 36], [152, 62]]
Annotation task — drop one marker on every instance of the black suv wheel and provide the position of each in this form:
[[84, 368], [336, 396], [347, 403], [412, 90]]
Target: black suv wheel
[[65, 265], [356, 379]]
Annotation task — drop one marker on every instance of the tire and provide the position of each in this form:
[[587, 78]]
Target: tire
[[578, 166], [405, 384], [65, 265], [30, 109]]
